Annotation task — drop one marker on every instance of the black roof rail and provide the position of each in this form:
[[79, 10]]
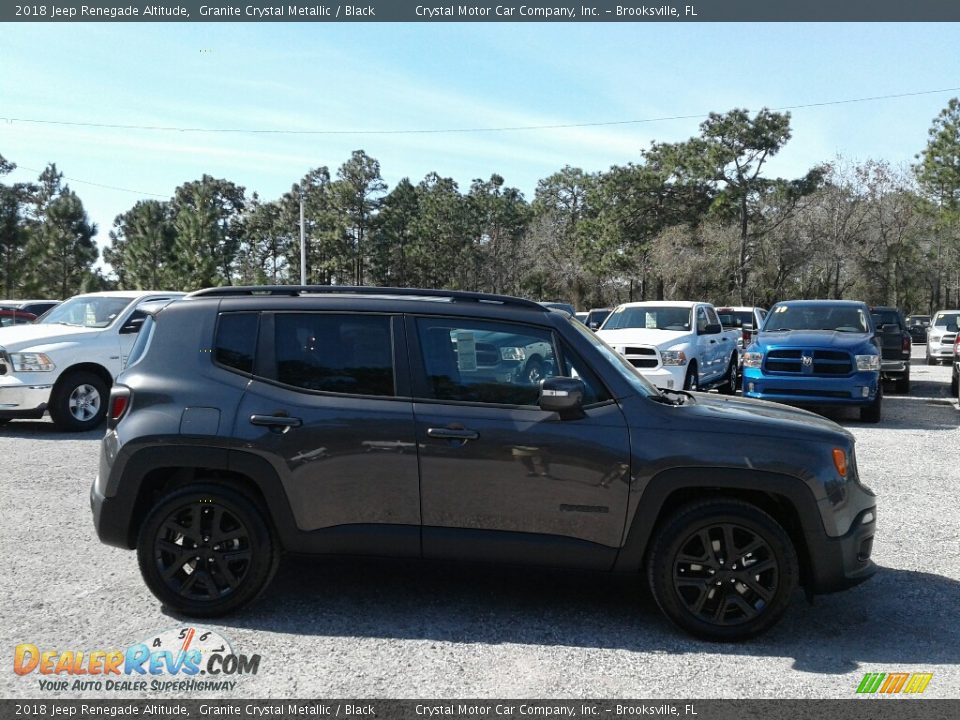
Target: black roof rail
[[297, 290]]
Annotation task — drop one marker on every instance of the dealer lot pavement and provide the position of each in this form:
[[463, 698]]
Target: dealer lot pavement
[[366, 628]]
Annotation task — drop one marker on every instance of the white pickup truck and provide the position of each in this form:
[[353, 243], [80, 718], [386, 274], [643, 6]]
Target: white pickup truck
[[66, 363], [675, 345]]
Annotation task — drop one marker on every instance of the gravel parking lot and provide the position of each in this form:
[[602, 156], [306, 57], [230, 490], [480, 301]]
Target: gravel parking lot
[[350, 628]]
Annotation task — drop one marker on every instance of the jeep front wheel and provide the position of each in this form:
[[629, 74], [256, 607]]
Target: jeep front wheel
[[723, 570], [206, 550], [79, 402]]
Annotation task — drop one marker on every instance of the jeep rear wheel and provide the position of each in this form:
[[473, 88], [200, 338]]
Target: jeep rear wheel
[[206, 550], [79, 401], [723, 570]]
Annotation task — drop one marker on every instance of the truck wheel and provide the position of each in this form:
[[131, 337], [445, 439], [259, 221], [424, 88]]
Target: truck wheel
[[79, 401], [729, 386], [723, 570], [871, 413], [930, 360], [954, 383], [533, 372], [691, 381], [903, 383], [205, 550]]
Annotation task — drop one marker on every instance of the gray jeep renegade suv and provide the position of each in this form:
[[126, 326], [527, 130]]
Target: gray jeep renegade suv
[[409, 423]]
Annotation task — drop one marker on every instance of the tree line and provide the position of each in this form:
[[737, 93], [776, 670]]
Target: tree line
[[698, 219]]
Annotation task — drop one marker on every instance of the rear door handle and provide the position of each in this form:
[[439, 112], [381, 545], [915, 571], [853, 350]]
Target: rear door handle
[[452, 434], [275, 421]]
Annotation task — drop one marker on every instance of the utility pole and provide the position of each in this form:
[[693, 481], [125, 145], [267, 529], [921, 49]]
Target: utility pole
[[303, 243]]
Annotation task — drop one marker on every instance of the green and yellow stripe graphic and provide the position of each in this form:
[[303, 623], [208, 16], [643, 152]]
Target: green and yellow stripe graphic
[[893, 683]]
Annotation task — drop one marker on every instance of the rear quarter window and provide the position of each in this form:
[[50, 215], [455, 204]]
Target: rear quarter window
[[236, 340]]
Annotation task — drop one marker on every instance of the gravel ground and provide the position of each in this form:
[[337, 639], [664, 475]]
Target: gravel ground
[[376, 629]]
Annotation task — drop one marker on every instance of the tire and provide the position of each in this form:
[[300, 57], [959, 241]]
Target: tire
[[871, 413], [691, 381], [903, 383], [689, 573], [533, 372], [729, 386], [4, 421], [954, 383], [233, 577], [931, 361], [79, 401]]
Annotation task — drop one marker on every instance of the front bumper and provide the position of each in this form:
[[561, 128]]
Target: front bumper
[[838, 563], [23, 400], [670, 377], [940, 350], [857, 389]]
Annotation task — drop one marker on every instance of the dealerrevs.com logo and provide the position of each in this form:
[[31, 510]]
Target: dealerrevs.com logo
[[894, 683], [187, 659]]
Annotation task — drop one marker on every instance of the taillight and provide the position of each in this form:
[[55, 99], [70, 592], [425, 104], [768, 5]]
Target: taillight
[[906, 343], [746, 337], [120, 397]]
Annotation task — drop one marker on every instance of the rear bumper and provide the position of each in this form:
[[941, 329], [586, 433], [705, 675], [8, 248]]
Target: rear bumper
[[842, 562], [891, 368], [857, 389]]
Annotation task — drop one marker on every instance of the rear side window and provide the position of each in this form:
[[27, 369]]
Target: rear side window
[[327, 352], [236, 342]]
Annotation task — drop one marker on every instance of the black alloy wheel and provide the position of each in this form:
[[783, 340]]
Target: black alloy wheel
[[206, 550], [729, 386], [533, 372], [723, 570], [691, 381]]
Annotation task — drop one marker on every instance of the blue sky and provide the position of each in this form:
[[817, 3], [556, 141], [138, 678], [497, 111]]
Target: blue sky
[[385, 76]]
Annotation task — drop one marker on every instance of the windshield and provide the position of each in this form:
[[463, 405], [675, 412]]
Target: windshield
[[944, 319], [885, 317], [627, 371], [660, 317], [87, 311], [735, 318], [839, 318]]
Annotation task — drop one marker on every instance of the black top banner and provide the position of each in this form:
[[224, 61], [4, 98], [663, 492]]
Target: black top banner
[[436, 11]]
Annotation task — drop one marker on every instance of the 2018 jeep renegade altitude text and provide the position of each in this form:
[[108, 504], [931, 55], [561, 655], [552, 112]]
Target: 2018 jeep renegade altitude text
[[470, 427]]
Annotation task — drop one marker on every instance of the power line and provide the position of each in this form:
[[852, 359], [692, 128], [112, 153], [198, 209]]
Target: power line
[[100, 185], [427, 131]]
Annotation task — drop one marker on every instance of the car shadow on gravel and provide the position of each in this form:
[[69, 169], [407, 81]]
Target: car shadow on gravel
[[46, 430], [898, 617]]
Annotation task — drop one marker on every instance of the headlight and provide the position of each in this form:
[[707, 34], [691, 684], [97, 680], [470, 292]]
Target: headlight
[[673, 357], [512, 353], [868, 362], [31, 362], [752, 359], [935, 338]]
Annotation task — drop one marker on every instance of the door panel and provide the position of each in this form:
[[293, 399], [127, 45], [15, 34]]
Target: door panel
[[343, 459], [511, 481]]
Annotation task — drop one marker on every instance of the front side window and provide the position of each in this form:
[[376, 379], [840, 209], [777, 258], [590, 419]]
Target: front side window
[[487, 362], [327, 352]]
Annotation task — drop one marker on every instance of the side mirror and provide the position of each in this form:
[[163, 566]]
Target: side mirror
[[712, 329], [132, 326], [562, 395]]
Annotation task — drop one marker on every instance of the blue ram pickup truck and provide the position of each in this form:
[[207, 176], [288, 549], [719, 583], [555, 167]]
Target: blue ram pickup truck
[[816, 352]]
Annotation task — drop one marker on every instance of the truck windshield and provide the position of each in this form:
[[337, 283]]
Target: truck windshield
[[839, 318], [944, 319], [89, 311], [661, 317]]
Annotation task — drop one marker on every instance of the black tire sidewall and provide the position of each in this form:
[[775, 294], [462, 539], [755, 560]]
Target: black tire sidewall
[[60, 402], [264, 555], [674, 533], [690, 380]]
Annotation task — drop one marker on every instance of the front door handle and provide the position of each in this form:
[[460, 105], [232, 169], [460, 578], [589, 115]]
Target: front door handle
[[452, 434], [275, 421]]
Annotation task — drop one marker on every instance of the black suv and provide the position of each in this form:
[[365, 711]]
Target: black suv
[[363, 421]]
